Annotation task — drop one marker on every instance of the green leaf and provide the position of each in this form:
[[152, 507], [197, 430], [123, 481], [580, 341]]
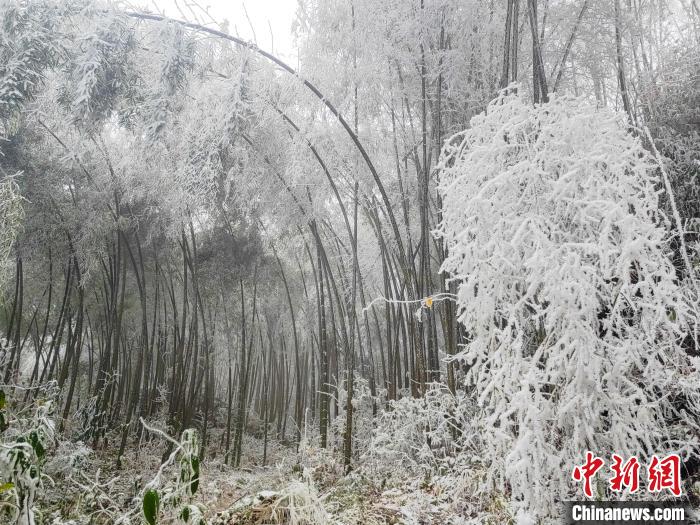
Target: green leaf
[[36, 444], [6, 486], [3, 424], [151, 502], [195, 475], [185, 514], [3, 401]]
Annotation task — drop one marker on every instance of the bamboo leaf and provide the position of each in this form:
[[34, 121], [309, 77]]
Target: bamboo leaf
[[151, 502], [195, 475]]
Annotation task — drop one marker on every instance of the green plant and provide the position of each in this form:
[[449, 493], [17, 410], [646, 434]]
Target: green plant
[[175, 497], [25, 438]]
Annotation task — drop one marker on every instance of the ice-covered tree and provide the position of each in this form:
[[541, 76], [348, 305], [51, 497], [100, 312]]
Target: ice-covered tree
[[574, 312]]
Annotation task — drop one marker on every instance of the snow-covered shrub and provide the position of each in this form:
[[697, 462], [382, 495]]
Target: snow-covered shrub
[[419, 435], [91, 420], [300, 504], [363, 403], [27, 434], [573, 310], [69, 459], [296, 503]]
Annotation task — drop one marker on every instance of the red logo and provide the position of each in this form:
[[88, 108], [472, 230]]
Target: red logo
[[586, 471], [626, 475], [665, 474], [661, 474]]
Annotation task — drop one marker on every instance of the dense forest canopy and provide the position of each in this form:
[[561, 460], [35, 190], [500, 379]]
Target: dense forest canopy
[[422, 270]]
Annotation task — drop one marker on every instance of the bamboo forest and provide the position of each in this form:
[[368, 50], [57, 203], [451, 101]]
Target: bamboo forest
[[349, 262]]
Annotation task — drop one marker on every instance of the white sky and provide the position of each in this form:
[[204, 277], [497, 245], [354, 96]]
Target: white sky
[[267, 17]]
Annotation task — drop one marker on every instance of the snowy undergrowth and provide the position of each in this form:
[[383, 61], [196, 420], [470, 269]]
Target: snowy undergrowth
[[27, 435], [420, 435]]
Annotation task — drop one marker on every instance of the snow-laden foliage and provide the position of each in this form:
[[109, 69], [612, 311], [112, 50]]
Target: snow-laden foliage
[[364, 406], [27, 433], [300, 504], [419, 435], [574, 314], [101, 70], [28, 45], [11, 213]]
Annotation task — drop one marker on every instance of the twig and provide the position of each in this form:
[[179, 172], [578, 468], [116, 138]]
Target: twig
[[443, 296], [674, 208]]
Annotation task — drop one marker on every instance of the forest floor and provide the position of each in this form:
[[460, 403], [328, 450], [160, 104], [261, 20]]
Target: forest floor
[[294, 485], [309, 487], [297, 487]]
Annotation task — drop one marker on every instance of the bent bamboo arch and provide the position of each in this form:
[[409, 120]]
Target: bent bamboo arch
[[286, 67]]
